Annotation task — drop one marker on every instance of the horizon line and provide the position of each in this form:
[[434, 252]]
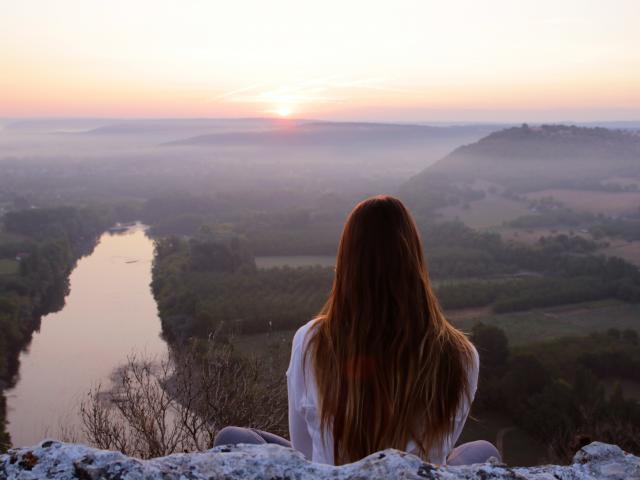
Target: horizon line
[[459, 122]]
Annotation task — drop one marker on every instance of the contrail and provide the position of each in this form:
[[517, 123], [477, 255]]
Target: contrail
[[236, 91], [308, 90]]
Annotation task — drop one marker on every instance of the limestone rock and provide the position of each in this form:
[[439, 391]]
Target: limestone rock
[[56, 460]]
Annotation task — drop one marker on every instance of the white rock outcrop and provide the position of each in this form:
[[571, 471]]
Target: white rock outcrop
[[62, 461]]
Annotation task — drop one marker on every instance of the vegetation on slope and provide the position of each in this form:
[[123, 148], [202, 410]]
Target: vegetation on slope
[[524, 159]]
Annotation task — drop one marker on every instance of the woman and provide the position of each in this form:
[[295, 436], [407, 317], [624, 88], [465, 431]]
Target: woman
[[380, 367]]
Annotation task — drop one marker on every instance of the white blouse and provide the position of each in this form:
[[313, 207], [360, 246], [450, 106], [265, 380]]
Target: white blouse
[[304, 417]]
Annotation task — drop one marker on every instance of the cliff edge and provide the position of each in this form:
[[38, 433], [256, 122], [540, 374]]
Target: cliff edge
[[62, 461]]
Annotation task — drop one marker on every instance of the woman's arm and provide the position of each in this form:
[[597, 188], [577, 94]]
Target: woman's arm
[[298, 432], [465, 407]]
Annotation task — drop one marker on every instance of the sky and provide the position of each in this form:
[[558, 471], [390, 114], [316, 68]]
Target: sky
[[399, 60]]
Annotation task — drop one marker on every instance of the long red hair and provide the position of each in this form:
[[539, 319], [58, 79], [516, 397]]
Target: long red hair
[[389, 367]]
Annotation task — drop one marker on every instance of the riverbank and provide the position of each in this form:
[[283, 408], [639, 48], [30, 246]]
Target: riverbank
[[108, 315], [43, 246]]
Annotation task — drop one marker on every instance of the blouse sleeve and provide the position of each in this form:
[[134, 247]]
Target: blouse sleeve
[[465, 407], [298, 432]]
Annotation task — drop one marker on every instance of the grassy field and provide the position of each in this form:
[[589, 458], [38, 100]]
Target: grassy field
[[547, 324], [8, 266], [627, 250], [488, 212], [608, 203]]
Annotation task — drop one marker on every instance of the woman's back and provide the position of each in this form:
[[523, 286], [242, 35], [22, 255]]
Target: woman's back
[[304, 419], [388, 367]]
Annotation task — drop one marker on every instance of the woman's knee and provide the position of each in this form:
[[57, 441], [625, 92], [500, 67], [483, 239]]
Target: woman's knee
[[487, 450], [469, 453], [235, 435]]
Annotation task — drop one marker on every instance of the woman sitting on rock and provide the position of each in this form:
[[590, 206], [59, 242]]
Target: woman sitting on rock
[[380, 367]]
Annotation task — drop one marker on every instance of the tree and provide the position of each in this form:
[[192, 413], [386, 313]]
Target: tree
[[492, 345], [525, 378], [180, 403]]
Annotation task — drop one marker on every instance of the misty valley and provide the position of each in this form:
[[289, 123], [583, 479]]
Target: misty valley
[[173, 260]]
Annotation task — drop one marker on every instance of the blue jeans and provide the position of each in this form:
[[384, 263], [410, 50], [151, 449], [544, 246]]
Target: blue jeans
[[466, 454]]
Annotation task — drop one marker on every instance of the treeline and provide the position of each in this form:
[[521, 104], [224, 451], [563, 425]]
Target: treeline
[[289, 230], [526, 292], [554, 390], [480, 269], [45, 244], [519, 294], [455, 251]]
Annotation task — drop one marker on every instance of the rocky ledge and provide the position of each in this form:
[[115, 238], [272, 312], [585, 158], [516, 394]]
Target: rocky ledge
[[55, 460]]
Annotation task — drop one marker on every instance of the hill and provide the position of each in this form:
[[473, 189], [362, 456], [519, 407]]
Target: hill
[[534, 158]]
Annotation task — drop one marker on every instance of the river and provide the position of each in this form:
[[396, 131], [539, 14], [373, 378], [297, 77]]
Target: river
[[108, 315]]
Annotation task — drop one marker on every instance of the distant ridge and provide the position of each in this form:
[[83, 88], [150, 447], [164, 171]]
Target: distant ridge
[[132, 127], [333, 133]]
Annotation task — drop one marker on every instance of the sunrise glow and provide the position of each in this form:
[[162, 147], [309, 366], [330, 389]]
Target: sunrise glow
[[412, 60], [283, 111]]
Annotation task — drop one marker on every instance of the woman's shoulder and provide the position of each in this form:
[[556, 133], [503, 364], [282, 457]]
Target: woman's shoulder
[[475, 357], [299, 347], [473, 366], [301, 337]]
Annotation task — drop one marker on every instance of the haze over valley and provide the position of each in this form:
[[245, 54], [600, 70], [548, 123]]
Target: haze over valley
[[532, 235]]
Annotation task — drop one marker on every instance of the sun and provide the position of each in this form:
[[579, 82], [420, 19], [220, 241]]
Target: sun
[[283, 111]]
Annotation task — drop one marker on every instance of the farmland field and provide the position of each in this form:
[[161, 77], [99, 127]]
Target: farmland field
[[491, 211], [607, 203], [547, 324], [295, 261], [630, 251]]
